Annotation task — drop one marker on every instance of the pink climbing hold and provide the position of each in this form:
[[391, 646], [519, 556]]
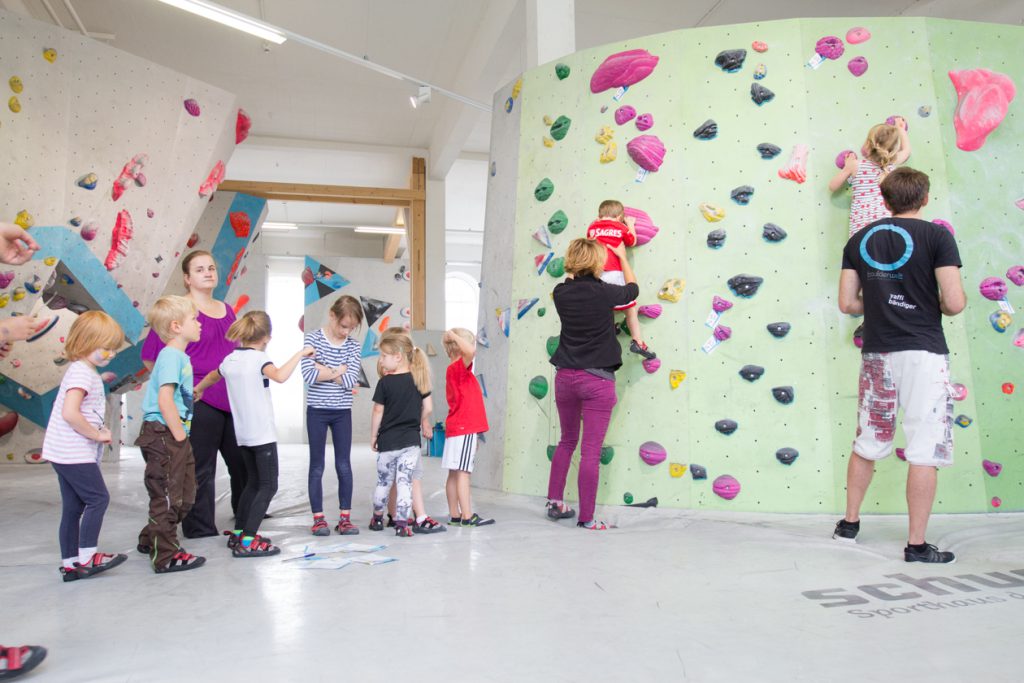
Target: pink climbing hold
[[645, 228], [647, 151], [131, 172], [242, 125], [726, 486], [652, 311], [957, 391], [722, 332], [89, 231], [841, 157], [993, 288], [215, 178], [1015, 274], [759, 46], [123, 231], [651, 365], [623, 69], [901, 453], [945, 224], [857, 35], [720, 305], [983, 98], [857, 66], [652, 452], [996, 501], [1018, 339], [192, 107], [624, 114], [796, 168], [992, 468], [644, 122], [830, 47]]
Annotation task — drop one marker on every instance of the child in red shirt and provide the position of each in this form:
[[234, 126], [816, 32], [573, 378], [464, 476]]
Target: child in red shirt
[[612, 228], [467, 418]]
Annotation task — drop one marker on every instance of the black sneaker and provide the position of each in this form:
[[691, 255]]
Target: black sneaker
[[99, 563], [477, 520], [67, 574], [846, 531], [455, 521], [377, 523], [558, 511], [929, 554], [428, 526], [391, 522], [180, 562], [642, 349]]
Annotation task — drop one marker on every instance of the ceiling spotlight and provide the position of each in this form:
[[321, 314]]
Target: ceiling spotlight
[[421, 97]]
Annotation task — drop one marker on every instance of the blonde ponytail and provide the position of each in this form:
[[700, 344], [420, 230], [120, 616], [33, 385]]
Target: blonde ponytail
[[420, 370], [397, 340], [882, 145], [254, 326]]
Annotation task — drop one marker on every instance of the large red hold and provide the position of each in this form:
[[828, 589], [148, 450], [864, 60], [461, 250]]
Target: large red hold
[[242, 125], [123, 231], [240, 223]]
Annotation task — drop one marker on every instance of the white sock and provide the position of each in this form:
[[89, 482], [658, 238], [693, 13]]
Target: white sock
[[69, 562], [85, 555], [420, 519]]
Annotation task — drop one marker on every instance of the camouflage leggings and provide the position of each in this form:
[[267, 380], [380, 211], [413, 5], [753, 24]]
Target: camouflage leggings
[[396, 467]]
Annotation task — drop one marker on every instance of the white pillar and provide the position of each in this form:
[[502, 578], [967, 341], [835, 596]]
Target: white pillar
[[435, 254], [550, 30]]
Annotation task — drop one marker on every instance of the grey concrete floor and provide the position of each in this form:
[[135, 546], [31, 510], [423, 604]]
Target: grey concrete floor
[[667, 596]]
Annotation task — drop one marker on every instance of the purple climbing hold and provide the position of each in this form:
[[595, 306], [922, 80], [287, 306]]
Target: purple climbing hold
[[841, 157], [992, 468], [720, 305], [783, 395], [644, 122], [648, 151], [722, 333], [1015, 274], [651, 365], [624, 114], [192, 107], [857, 66], [726, 427], [787, 455], [901, 454], [726, 486], [830, 47], [891, 121], [652, 452], [993, 288], [651, 311]]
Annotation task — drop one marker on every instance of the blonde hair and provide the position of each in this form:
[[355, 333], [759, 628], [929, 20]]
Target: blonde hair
[[169, 309], [610, 208], [252, 327], [882, 145], [397, 340], [91, 331], [381, 370], [346, 306], [451, 348], [584, 257]]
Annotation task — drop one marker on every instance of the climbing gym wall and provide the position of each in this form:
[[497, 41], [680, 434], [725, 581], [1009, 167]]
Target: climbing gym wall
[[720, 142], [112, 160], [382, 289]]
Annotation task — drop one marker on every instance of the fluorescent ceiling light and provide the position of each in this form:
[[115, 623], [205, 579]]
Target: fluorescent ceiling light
[[379, 230], [223, 15], [271, 225]]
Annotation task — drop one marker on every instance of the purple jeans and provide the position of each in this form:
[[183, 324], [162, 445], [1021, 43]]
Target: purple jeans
[[581, 395]]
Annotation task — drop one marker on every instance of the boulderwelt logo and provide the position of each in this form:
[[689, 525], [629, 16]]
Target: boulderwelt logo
[[886, 271], [903, 594]]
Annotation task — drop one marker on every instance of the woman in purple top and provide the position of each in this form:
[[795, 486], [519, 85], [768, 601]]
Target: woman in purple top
[[212, 427]]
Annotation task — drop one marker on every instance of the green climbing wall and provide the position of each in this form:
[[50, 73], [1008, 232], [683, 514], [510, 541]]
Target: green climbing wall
[[829, 110]]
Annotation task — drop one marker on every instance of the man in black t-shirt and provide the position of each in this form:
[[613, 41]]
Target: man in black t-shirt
[[903, 274]]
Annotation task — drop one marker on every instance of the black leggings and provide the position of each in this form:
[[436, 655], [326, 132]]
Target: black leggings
[[212, 431], [261, 485]]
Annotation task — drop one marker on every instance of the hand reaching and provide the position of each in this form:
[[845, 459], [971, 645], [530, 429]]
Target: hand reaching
[[16, 245], [19, 327]]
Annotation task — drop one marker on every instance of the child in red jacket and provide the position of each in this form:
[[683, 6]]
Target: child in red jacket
[[612, 228]]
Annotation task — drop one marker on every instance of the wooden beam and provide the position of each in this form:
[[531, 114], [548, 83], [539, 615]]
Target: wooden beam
[[417, 232], [391, 247], [310, 191], [379, 201]]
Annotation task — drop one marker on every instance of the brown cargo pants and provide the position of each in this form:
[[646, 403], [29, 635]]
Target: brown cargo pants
[[171, 484]]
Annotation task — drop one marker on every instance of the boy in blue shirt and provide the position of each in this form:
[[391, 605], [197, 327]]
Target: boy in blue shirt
[[167, 417]]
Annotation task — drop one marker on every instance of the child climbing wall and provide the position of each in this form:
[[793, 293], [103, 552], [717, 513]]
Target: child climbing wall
[[721, 141]]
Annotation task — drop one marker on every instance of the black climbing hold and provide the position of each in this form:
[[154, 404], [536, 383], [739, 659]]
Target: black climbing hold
[[768, 150], [706, 130], [698, 472], [649, 503], [751, 373], [730, 60], [742, 194], [726, 427], [787, 455], [745, 285], [760, 94], [783, 394], [773, 233], [779, 330], [716, 238]]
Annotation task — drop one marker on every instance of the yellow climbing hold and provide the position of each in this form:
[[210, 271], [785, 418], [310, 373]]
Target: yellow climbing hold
[[676, 469], [712, 214], [50, 55], [24, 219], [19, 293], [13, 104], [675, 378], [548, 121], [4, 300], [609, 152], [16, 85], [672, 290], [548, 142], [50, 260], [517, 88], [604, 135]]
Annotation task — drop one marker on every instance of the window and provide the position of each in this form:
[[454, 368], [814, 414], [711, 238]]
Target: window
[[462, 301]]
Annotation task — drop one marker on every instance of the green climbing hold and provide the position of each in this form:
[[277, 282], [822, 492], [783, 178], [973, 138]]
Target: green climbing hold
[[562, 71], [556, 267], [544, 190], [552, 345], [607, 453], [627, 498], [557, 222], [541, 311], [551, 453], [539, 387], [560, 127]]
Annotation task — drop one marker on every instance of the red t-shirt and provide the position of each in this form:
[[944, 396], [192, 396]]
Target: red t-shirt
[[611, 233], [466, 413]]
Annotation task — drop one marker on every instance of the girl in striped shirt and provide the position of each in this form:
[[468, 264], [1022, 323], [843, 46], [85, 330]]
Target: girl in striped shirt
[[887, 146], [329, 374]]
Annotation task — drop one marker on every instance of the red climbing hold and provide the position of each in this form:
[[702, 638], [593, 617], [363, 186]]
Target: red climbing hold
[[240, 223], [123, 231], [1008, 388]]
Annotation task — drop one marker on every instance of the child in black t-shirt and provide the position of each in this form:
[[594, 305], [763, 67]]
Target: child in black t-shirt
[[401, 412]]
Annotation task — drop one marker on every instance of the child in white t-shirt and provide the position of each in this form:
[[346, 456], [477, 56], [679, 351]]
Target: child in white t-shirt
[[247, 372], [74, 441]]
